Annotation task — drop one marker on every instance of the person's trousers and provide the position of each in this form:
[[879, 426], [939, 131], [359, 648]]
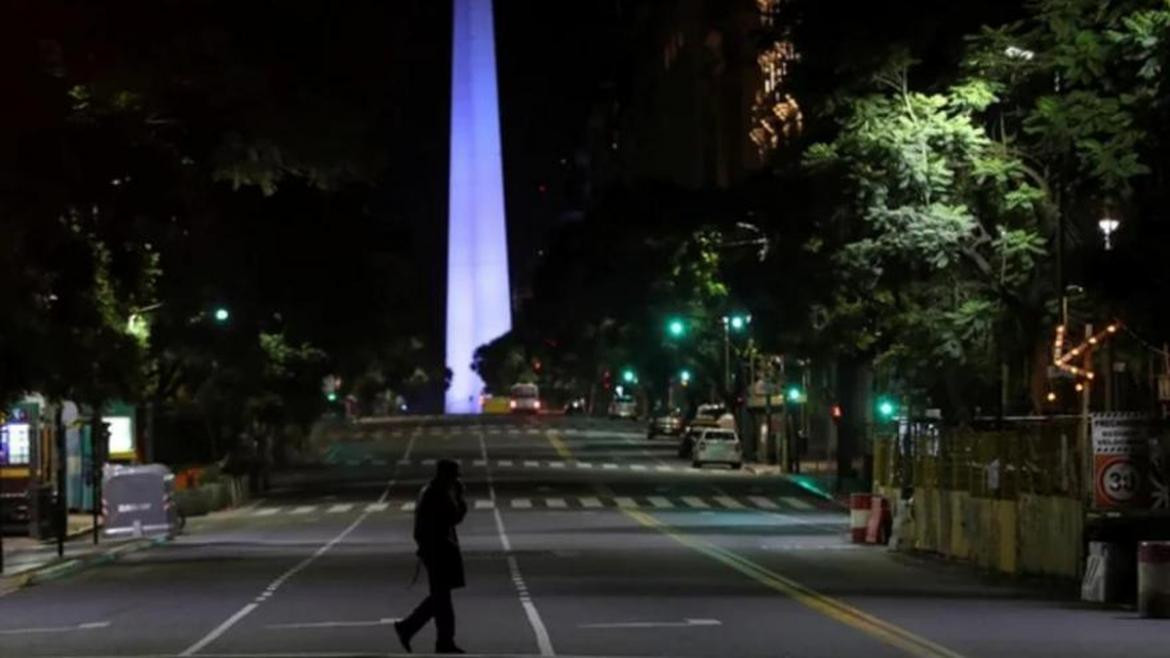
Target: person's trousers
[[438, 606]]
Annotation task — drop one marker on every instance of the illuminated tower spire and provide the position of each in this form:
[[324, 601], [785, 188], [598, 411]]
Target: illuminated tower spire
[[479, 306]]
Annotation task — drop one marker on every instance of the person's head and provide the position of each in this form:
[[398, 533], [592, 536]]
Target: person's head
[[447, 470]]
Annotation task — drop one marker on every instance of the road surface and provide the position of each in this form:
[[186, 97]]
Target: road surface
[[583, 539]]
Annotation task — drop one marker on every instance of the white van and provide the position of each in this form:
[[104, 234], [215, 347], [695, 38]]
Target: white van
[[525, 399]]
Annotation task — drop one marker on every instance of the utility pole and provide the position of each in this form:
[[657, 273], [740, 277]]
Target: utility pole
[[62, 510]]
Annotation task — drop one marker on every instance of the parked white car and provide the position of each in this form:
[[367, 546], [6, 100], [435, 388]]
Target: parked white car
[[717, 446]]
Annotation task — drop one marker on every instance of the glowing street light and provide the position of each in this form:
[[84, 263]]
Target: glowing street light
[[676, 328], [1108, 225], [886, 408], [684, 376], [221, 315]]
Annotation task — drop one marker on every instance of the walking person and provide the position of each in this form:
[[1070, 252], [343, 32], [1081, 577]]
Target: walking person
[[440, 508]]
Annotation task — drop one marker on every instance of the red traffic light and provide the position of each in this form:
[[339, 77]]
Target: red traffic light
[[835, 412]]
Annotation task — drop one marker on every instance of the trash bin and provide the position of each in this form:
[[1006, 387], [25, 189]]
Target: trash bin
[[139, 501]]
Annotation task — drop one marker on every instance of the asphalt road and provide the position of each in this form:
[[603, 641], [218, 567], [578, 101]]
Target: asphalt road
[[584, 539]]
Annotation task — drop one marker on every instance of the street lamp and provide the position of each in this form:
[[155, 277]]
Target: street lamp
[[1108, 225], [221, 314], [684, 376], [676, 328]]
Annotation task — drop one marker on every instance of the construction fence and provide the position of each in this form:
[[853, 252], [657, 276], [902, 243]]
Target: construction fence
[[1004, 494]]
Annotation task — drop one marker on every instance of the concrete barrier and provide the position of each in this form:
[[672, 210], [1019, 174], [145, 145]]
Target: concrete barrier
[[1154, 579], [859, 511]]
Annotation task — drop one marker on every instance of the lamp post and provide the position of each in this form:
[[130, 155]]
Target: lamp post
[[736, 323], [1108, 225]]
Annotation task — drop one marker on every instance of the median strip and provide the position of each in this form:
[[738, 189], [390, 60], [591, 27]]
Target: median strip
[[835, 609]]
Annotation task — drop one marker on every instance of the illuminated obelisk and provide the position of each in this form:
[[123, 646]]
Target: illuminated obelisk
[[479, 306]]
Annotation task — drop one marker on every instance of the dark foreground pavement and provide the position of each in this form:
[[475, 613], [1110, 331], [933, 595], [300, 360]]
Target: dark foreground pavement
[[584, 539]]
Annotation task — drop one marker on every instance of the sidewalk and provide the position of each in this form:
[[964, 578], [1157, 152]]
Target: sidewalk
[[28, 561]]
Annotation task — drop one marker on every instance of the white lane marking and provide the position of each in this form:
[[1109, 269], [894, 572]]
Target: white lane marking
[[88, 626], [660, 502], [556, 464], [267, 511], [335, 624], [338, 509], [590, 502], [504, 463], [485, 504], [656, 624], [625, 503], [637, 467], [521, 503], [696, 502], [728, 502], [665, 468], [793, 501], [762, 502], [303, 509], [377, 507], [557, 503], [542, 639], [584, 464], [609, 467], [480, 462], [531, 464], [275, 585], [408, 506], [428, 462]]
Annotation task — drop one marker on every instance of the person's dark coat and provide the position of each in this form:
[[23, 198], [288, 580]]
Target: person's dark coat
[[440, 508]]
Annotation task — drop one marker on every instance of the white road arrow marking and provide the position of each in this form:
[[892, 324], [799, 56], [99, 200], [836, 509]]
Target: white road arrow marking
[[656, 624], [88, 626]]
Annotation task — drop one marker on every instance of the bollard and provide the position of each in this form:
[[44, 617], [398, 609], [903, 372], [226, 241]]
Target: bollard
[[859, 511], [877, 529], [1154, 579]]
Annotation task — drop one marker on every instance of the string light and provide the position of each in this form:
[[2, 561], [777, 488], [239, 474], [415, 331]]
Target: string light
[[1062, 359]]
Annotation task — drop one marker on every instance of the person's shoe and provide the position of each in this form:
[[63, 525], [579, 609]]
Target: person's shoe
[[403, 638], [450, 648]]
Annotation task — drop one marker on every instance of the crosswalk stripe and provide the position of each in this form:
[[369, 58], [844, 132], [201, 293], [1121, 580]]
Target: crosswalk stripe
[[531, 464], [304, 509], [696, 502], [609, 467], [408, 506], [558, 503], [379, 462], [584, 464], [353, 462], [337, 509], [521, 503], [590, 502], [665, 468], [428, 462], [504, 463], [267, 511], [404, 462], [377, 507], [484, 503], [660, 502], [728, 502], [762, 502], [793, 501], [480, 462], [637, 467], [625, 503], [556, 464]]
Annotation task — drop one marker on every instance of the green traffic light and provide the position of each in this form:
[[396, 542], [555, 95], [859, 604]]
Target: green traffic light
[[886, 408], [628, 376], [222, 314], [685, 376], [676, 327], [794, 394], [331, 396]]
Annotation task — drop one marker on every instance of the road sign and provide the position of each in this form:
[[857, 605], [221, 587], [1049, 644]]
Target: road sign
[[1121, 460]]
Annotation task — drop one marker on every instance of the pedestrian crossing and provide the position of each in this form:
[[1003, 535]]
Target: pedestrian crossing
[[335, 459], [649, 503], [387, 434]]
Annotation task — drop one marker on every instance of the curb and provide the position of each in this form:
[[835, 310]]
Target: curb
[[68, 566]]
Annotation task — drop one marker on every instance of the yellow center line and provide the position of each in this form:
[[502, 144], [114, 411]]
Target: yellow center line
[[835, 609], [558, 444]]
